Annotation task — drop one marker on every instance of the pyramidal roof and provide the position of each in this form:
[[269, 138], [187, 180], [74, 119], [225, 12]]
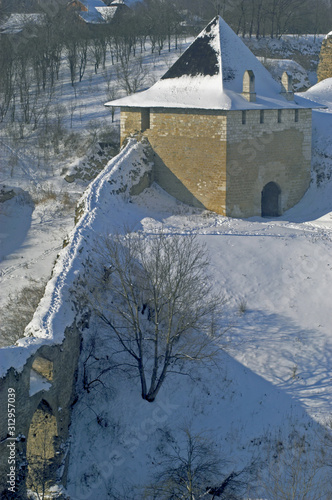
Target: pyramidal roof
[[209, 75]]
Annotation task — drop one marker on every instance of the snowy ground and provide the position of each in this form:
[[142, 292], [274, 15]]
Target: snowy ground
[[34, 224], [272, 384], [303, 51]]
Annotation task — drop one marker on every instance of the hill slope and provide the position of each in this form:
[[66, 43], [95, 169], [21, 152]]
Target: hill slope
[[270, 388]]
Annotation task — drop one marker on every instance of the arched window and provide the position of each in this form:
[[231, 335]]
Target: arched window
[[271, 200]]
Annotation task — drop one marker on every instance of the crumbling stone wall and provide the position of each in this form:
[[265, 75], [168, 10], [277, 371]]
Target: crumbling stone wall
[[44, 392], [324, 69]]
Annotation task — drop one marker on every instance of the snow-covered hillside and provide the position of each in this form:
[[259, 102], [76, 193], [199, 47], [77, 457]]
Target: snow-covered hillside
[[34, 224], [277, 66], [302, 50], [271, 385], [270, 389], [266, 401]]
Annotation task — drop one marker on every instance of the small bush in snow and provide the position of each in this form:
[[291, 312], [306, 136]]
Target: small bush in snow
[[243, 306]]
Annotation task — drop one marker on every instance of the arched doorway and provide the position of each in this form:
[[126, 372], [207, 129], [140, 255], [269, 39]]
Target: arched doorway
[[41, 450], [271, 200]]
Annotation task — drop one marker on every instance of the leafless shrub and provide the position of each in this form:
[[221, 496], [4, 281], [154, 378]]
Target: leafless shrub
[[192, 469], [131, 75], [243, 306], [299, 470], [67, 201], [44, 195], [101, 131], [187, 469]]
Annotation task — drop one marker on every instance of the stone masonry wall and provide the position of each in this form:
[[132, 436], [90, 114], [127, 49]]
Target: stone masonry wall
[[130, 123], [258, 153], [324, 69], [190, 150], [58, 365]]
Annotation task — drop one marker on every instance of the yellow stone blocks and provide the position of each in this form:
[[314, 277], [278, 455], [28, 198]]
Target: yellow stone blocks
[[220, 161]]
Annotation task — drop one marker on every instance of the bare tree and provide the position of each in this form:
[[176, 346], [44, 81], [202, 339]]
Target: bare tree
[[6, 77], [154, 296], [259, 18], [192, 469], [111, 90], [82, 54], [131, 74], [188, 468], [299, 471], [98, 49]]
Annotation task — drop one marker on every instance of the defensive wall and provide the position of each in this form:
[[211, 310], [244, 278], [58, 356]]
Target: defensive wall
[[38, 375], [33, 438]]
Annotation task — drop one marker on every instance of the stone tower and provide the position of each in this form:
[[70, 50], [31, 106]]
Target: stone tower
[[225, 135]]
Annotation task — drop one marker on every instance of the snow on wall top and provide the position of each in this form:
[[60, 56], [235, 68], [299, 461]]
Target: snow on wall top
[[128, 3], [120, 2], [209, 75], [55, 311]]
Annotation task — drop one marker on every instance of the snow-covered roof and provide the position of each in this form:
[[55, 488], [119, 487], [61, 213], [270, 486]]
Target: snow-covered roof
[[16, 22], [118, 2], [92, 16], [107, 13], [94, 13], [98, 12], [209, 75], [92, 4]]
